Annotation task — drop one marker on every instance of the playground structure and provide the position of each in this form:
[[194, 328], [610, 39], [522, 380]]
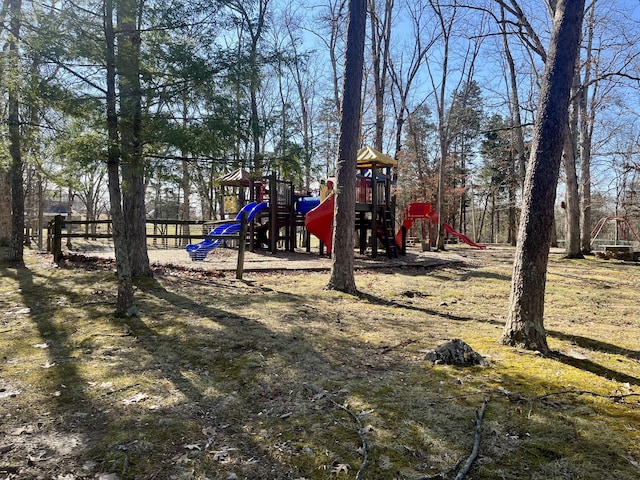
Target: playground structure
[[275, 213], [624, 245], [375, 209], [374, 206]]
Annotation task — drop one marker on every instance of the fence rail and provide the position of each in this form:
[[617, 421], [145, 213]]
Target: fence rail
[[101, 229]]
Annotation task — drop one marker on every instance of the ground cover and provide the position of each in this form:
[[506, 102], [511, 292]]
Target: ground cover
[[275, 378]]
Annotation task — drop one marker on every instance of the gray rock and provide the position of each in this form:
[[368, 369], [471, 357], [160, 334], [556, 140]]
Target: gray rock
[[455, 352]]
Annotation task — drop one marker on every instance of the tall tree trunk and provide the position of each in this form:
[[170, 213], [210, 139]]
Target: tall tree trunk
[[342, 277], [516, 175], [380, 41], [585, 183], [125, 300], [572, 239], [186, 180], [69, 207], [572, 235], [525, 323], [5, 208], [255, 30], [443, 130], [185, 208], [518, 131], [335, 18], [130, 128], [586, 128], [16, 251], [40, 212], [307, 128], [440, 199], [403, 86], [511, 234]]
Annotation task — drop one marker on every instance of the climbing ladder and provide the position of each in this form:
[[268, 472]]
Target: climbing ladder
[[388, 233]]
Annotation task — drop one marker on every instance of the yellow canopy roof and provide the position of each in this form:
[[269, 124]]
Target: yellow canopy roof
[[368, 156], [237, 178]]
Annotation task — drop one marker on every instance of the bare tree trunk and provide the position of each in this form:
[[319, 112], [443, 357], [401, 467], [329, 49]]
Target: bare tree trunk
[[493, 215], [307, 125], [585, 184], [40, 212], [511, 235], [586, 128], [185, 208], [130, 127], [255, 26], [16, 251], [70, 196], [518, 133], [5, 208], [342, 277], [572, 238], [525, 324], [124, 301], [380, 41], [440, 199], [516, 175], [186, 182], [445, 27], [403, 86], [336, 18]]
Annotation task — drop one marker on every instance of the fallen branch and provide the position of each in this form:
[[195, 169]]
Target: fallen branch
[[363, 441], [122, 389], [521, 399], [402, 344], [442, 475], [476, 443], [615, 398], [471, 458]]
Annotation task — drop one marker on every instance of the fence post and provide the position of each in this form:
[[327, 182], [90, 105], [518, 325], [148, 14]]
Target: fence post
[[50, 236], [242, 243], [403, 229], [57, 239]]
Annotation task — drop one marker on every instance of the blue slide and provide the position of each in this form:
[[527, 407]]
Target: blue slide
[[198, 251]]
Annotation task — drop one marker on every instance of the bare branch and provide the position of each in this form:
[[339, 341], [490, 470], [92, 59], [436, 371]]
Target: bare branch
[[476, 443]]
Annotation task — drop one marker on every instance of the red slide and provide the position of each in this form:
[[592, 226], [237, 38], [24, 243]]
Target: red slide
[[462, 236], [319, 221], [414, 211]]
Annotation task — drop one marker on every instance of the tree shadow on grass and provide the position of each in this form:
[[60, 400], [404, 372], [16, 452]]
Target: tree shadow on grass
[[600, 370], [595, 345], [74, 418], [428, 311], [590, 366], [229, 380]]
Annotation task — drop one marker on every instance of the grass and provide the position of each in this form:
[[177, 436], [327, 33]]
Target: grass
[[274, 377]]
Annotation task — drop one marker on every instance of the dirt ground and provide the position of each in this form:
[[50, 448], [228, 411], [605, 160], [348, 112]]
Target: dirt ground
[[225, 259]]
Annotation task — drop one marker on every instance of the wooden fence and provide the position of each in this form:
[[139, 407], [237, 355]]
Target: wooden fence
[[59, 229]]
